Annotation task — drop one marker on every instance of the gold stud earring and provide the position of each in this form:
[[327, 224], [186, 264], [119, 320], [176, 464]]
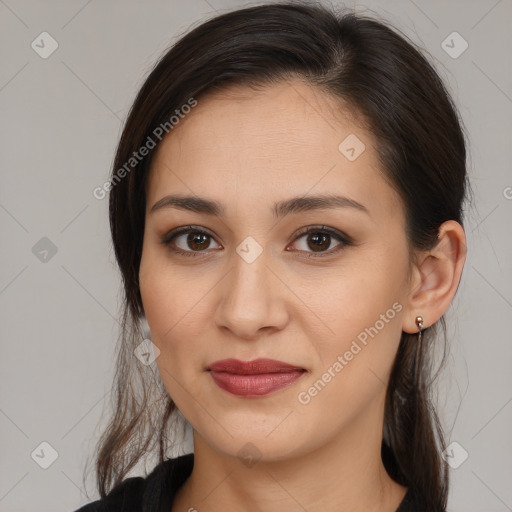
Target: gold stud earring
[[419, 322]]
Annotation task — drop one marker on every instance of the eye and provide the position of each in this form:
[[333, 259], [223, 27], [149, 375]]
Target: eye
[[318, 241], [188, 241]]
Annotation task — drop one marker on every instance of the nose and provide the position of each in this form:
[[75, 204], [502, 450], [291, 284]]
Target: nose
[[252, 299]]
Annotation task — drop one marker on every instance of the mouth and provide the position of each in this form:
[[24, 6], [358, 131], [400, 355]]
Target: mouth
[[253, 378]]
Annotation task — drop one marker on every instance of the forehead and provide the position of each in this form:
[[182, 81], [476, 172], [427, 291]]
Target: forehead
[[278, 141]]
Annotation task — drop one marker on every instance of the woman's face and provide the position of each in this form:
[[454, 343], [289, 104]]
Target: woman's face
[[247, 283]]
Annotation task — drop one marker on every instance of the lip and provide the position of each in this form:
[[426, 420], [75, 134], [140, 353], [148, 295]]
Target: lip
[[257, 366], [253, 378]]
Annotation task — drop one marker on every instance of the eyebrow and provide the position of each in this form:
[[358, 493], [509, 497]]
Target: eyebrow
[[280, 209]]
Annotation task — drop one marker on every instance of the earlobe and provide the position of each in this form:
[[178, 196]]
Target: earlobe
[[435, 277]]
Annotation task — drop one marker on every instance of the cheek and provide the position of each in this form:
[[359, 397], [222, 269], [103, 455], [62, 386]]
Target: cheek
[[164, 290], [175, 303], [354, 297], [172, 311], [166, 305], [360, 312], [353, 372]]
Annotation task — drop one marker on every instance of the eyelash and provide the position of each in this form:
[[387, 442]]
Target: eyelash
[[344, 240]]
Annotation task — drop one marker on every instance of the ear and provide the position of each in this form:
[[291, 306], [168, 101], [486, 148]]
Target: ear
[[435, 277]]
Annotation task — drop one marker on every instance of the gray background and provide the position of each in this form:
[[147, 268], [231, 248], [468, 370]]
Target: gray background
[[61, 118]]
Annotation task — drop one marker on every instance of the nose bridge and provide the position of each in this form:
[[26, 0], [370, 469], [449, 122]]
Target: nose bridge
[[249, 298], [249, 281]]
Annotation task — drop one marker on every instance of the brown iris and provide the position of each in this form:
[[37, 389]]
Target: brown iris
[[198, 241], [320, 241]]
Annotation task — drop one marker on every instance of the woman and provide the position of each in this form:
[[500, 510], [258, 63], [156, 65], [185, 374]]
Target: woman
[[286, 211]]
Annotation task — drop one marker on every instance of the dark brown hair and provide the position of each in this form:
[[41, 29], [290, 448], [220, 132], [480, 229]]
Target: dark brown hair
[[381, 76]]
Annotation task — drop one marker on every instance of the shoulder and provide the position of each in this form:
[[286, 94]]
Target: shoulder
[[153, 492]]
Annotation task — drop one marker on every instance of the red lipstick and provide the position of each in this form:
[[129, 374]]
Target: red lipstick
[[253, 378]]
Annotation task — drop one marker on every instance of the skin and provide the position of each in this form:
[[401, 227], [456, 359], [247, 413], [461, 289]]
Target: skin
[[247, 150]]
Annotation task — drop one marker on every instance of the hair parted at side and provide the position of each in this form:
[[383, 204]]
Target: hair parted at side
[[381, 76]]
